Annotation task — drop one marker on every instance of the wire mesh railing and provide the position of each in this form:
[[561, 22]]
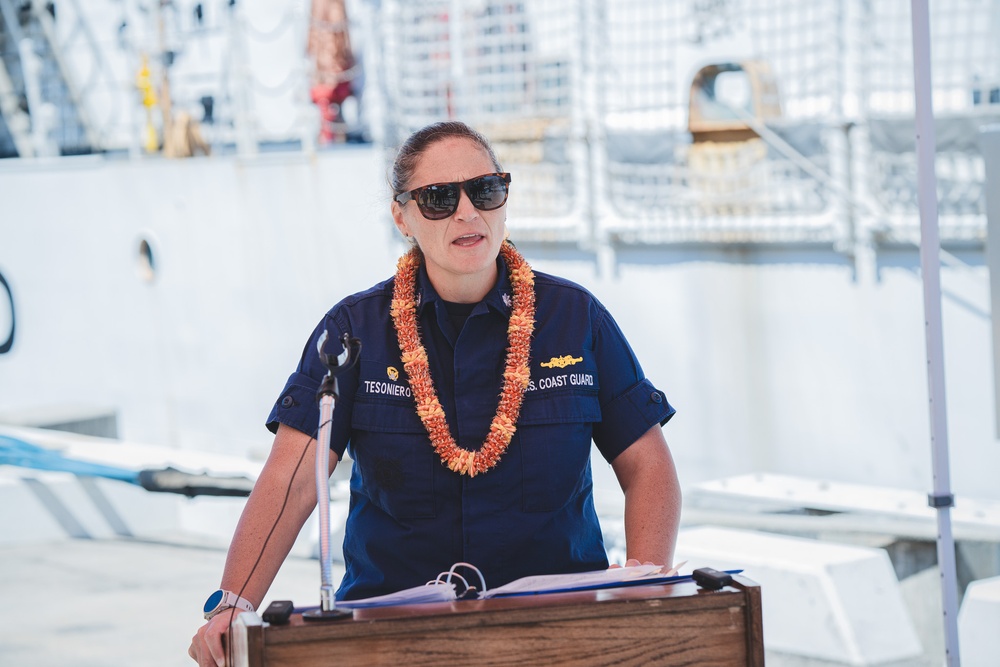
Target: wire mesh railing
[[965, 51], [666, 185], [645, 121], [616, 84]]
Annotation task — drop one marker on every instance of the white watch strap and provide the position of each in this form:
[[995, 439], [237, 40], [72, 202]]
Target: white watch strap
[[229, 601]]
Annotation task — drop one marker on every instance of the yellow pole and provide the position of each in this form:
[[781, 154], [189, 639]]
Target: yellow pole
[[150, 142]]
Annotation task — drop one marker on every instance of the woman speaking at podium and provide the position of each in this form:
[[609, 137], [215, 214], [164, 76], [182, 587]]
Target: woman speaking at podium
[[470, 414]]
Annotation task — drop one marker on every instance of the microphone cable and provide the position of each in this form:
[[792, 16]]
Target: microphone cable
[[228, 648]]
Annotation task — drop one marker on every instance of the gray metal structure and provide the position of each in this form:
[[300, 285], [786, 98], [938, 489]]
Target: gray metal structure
[[38, 88], [590, 99]]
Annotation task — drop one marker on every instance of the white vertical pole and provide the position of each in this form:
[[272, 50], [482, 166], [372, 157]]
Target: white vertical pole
[[930, 264], [326, 406], [989, 142]]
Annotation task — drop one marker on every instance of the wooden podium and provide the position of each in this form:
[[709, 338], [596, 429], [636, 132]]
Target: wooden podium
[[642, 625]]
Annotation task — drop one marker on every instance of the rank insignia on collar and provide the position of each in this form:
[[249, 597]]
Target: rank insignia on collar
[[561, 362], [506, 299], [392, 373]]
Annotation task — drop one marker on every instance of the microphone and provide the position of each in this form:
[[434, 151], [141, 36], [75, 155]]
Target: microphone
[[327, 395]]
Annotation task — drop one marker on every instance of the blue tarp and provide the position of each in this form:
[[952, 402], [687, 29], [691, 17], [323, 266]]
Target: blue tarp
[[17, 452]]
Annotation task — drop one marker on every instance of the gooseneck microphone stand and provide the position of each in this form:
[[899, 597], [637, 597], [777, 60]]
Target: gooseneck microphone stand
[[328, 395]]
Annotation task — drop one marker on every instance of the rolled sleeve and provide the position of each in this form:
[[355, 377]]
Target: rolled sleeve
[[296, 405], [630, 415], [630, 404]]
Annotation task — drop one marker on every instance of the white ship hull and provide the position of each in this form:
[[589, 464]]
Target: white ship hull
[[783, 359]]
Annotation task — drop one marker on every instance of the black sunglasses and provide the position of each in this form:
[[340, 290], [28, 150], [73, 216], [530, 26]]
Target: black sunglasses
[[439, 200]]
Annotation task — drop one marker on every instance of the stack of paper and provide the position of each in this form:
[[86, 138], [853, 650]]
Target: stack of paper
[[611, 578], [444, 591], [437, 591]]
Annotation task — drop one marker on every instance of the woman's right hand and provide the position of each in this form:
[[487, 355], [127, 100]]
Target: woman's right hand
[[261, 517], [208, 646]]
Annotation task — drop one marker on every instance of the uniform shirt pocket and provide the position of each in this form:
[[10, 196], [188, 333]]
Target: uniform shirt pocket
[[554, 435], [394, 458]]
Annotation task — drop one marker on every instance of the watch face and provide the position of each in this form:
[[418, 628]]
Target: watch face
[[213, 601]]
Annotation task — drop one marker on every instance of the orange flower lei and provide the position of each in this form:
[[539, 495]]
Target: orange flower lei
[[515, 376]]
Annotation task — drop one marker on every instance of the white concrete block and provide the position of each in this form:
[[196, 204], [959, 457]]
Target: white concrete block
[[23, 515], [820, 600], [43, 506], [981, 515], [210, 515], [216, 518], [39, 506], [979, 624]]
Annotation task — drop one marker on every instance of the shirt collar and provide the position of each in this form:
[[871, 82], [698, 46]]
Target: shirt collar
[[499, 298]]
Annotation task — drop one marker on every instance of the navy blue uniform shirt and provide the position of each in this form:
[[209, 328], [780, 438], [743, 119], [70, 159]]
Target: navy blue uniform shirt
[[410, 517]]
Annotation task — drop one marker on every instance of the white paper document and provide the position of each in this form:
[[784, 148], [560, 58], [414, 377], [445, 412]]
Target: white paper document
[[552, 583], [443, 590], [433, 592]]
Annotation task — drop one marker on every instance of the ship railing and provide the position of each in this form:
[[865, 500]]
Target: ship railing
[[843, 72], [965, 50]]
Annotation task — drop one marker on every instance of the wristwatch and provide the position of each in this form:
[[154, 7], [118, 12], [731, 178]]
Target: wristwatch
[[222, 600]]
